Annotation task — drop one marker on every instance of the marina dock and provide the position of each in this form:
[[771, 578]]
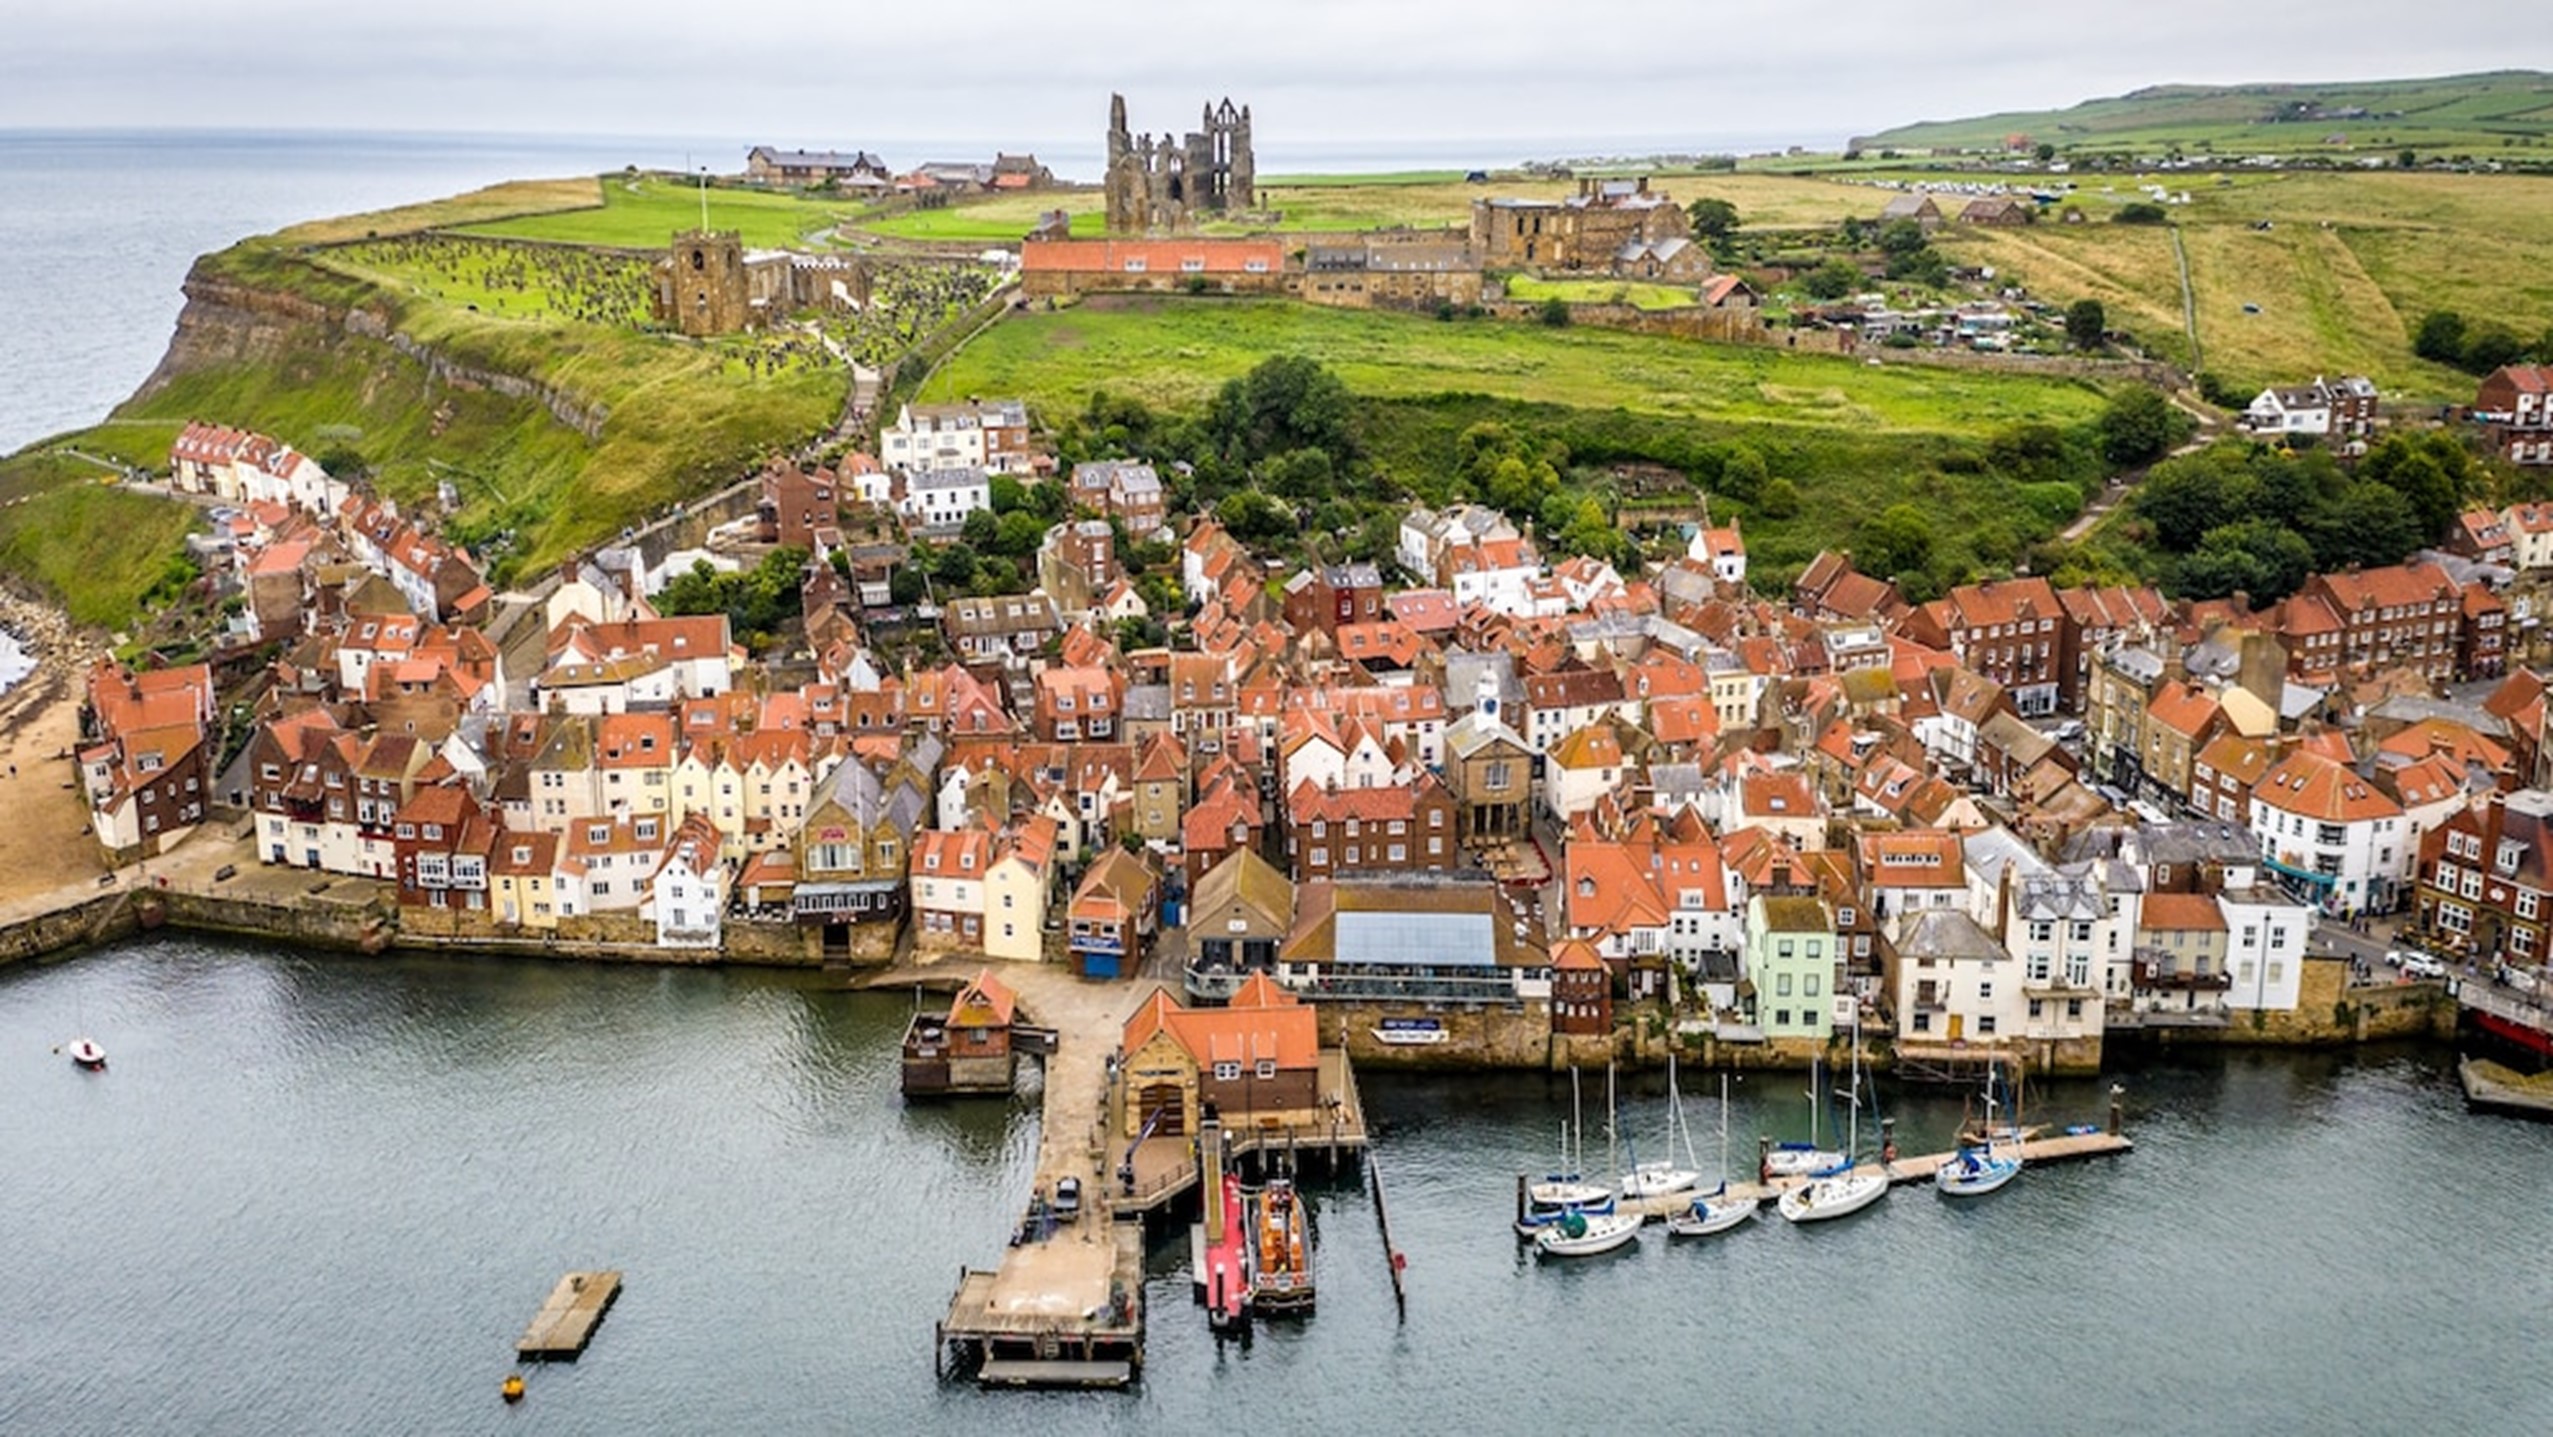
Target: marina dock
[[567, 1320], [2037, 1152]]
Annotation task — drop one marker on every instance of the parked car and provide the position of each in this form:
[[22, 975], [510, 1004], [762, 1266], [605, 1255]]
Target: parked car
[[1067, 1198], [2417, 965]]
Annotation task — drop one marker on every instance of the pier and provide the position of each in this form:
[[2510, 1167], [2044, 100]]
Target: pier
[[2035, 1152], [567, 1320]]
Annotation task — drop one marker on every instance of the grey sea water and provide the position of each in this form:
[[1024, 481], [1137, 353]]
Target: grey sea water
[[323, 1194]]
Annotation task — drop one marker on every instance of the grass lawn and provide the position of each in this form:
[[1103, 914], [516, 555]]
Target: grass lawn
[[1173, 353], [1638, 294], [510, 199], [646, 213], [996, 220]]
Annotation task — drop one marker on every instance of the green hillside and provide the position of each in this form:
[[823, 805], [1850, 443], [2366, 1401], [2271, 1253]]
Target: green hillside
[[2505, 110]]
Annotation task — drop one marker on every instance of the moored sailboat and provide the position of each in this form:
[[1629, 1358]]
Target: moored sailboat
[[1585, 1234], [1977, 1169], [1798, 1160], [1850, 1188], [1719, 1210], [1662, 1178]]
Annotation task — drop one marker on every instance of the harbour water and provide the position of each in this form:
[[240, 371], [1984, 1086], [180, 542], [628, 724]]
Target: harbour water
[[324, 1194]]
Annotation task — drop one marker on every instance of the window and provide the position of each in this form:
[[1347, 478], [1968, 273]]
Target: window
[[1227, 1072], [1986, 1023], [1267, 1067], [1781, 1017], [1781, 985], [2074, 1007]]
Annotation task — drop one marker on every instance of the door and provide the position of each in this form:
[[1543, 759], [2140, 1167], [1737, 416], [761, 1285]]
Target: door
[[1956, 1020], [1165, 1099]]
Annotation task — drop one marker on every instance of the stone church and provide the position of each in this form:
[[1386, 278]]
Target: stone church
[[1155, 185]]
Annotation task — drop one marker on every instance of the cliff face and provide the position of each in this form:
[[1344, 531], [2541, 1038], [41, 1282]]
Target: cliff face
[[227, 323]]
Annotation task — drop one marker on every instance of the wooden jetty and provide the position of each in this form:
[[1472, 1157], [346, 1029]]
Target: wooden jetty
[[1064, 1311], [2038, 1152], [566, 1322]]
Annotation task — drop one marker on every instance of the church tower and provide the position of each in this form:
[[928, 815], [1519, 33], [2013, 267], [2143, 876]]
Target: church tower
[[703, 289]]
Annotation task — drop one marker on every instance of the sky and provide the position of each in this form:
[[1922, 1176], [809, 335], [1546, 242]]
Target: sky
[[1324, 78]]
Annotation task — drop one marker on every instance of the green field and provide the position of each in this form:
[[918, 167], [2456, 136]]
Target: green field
[[999, 220], [645, 213], [1173, 353], [2337, 282], [2505, 110], [1638, 294], [100, 548]]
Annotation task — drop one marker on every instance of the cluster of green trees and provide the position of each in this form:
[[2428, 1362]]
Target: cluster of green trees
[[759, 602], [1277, 459], [2261, 520], [2476, 347]]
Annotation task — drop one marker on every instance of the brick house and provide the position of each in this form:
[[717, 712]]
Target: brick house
[[2516, 401]]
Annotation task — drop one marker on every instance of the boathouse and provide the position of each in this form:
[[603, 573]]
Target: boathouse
[[967, 1050], [1255, 1061]]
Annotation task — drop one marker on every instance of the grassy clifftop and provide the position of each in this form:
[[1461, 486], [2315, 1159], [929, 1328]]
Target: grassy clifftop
[[2506, 109], [512, 371]]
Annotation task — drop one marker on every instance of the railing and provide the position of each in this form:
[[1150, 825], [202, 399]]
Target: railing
[[2149, 975]]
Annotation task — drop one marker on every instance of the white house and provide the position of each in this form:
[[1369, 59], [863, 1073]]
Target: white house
[[942, 498], [688, 896], [2265, 936], [2330, 835], [978, 434]]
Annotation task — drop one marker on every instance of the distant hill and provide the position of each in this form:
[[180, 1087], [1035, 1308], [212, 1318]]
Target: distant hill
[[2503, 109]]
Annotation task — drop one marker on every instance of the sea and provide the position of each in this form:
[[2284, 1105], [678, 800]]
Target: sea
[[319, 1193]]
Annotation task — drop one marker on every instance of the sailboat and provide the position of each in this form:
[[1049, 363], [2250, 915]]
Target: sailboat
[[1585, 1234], [1717, 1210], [1564, 1191], [1976, 1170], [1663, 1178], [1848, 1189], [1799, 1160]]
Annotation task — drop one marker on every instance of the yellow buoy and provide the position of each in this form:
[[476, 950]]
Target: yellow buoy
[[513, 1388]]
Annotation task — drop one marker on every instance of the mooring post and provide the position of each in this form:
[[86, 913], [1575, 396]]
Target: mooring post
[[2115, 1092]]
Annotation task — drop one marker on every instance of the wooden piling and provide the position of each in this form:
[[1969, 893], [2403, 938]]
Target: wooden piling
[[1392, 1254]]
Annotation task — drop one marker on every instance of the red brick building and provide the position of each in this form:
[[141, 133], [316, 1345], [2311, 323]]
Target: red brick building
[[1402, 829], [1581, 991], [2516, 401]]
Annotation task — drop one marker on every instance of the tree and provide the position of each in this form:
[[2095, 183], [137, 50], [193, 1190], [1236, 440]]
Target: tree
[[1780, 499], [2260, 557], [2407, 159], [1007, 493], [2440, 337], [2430, 471], [1303, 474], [2139, 213], [1898, 541], [1017, 534], [1901, 237], [1555, 312], [1288, 402], [982, 529], [2045, 152], [954, 566], [1742, 472], [2489, 345], [1713, 219], [2139, 426], [1832, 280], [2085, 323], [2184, 498]]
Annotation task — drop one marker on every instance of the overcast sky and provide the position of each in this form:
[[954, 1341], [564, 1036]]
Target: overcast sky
[[1391, 76]]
